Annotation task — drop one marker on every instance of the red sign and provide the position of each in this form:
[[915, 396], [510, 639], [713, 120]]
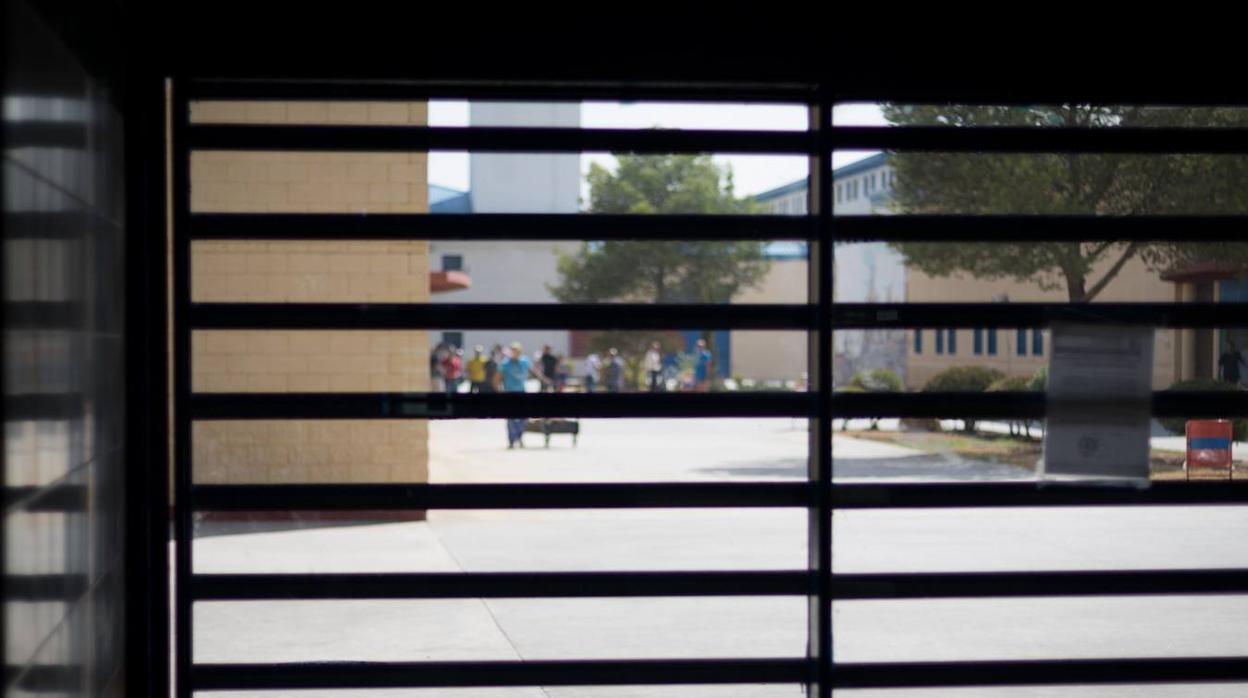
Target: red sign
[[1209, 443]]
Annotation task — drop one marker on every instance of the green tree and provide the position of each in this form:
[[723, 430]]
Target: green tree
[[1069, 184], [662, 271]]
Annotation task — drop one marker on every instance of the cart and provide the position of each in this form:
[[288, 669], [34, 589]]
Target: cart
[[546, 427]]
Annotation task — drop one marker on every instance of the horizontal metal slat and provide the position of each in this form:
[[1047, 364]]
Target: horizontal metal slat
[[926, 585], [1034, 494], [67, 135], [1002, 405], [45, 315], [356, 90], [1026, 405], [496, 226], [43, 406], [500, 316], [845, 587], [379, 139], [1013, 229], [1010, 315], [1041, 140], [497, 405], [1040, 672], [50, 225], [493, 585], [62, 497], [514, 673], [501, 496], [65, 588], [36, 679]]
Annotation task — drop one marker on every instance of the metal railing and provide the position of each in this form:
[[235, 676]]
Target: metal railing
[[818, 494]]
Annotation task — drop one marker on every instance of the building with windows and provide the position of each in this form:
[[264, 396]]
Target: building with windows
[[1177, 354], [874, 272], [864, 272]]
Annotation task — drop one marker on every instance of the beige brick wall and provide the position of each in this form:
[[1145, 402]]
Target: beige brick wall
[[764, 354], [310, 361], [310, 272], [311, 451], [277, 272], [1134, 284]]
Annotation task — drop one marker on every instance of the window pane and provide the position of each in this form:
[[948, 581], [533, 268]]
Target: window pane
[[538, 540], [500, 629], [937, 630]]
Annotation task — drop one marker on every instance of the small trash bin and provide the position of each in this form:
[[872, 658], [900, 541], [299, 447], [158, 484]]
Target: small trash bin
[[1209, 445]]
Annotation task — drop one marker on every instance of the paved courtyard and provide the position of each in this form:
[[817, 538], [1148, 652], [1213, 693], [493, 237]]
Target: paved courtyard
[[661, 539]]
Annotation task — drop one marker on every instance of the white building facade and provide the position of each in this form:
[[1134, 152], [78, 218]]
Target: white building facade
[[514, 271]]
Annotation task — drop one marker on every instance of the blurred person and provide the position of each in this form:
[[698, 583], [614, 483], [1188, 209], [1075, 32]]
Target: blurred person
[[671, 368], [550, 369], [653, 364], [593, 368], [437, 357], [563, 370], [491, 369], [702, 367], [453, 369], [513, 375], [476, 369], [613, 372], [1229, 363]]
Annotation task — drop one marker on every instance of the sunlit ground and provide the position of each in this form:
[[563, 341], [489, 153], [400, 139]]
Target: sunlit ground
[[665, 539]]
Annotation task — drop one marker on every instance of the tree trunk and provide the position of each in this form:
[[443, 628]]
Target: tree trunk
[[1076, 287]]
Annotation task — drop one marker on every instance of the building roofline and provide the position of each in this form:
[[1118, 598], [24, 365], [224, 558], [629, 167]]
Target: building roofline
[[796, 185], [868, 163]]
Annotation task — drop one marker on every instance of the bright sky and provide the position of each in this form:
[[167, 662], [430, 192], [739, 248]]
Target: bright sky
[[751, 173]]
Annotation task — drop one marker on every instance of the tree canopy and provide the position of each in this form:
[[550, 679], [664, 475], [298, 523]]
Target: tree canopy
[[1067, 184], [666, 271]]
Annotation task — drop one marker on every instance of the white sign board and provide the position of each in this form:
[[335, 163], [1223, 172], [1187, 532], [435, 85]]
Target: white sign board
[[1099, 403]]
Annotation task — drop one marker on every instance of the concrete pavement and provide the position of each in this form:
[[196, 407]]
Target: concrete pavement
[[662, 539]]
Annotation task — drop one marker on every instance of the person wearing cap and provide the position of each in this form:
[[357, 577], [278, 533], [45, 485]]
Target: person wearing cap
[[453, 369], [513, 374]]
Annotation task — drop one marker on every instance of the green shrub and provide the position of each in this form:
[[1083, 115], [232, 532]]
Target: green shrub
[[881, 380], [963, 379], [1040, 380], [1011, 384], [1178, 425]]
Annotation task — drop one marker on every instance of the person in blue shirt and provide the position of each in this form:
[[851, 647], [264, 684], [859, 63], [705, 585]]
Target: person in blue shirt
[[513, 373], [702, 367]]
